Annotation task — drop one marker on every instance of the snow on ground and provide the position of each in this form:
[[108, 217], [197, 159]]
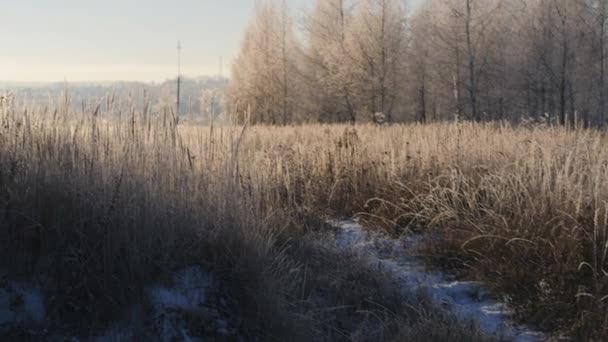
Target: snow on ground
[[189, 296], [187, 309], [183, 311], [466, 300], [21, 307]]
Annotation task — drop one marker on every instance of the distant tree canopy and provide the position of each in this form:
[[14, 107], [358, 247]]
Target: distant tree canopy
[[541, 60]]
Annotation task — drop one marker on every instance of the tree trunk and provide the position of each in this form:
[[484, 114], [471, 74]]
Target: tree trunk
[[572, 117], [422, 94], [383, 70], [346, 92], [284, 60], [472, 80], [563, 81], [602, 62], [456, 84]]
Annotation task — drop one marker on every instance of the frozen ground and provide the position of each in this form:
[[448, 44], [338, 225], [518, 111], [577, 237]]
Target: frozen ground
[[21, 307], [191, 308], [187, 309], [467, 300]]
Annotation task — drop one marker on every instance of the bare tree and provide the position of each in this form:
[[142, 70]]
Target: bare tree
[[378, 43], [480, 60], [331, 61], [419, 62], [263, 74]]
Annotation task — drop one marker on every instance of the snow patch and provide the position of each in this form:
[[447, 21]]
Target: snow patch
[[21, 306], [186, 296], [466, 300], [181, 311], [188, 293], [187, 309]]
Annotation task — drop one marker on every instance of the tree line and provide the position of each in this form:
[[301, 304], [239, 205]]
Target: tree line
[[346, 61]]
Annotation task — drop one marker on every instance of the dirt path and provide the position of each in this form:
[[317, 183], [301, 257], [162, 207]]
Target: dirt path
[[466, 300]]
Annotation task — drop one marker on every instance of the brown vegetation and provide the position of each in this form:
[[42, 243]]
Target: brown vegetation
[[97, 209], [104, 207]]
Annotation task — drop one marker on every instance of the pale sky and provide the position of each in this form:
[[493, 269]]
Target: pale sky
[[93, 40]]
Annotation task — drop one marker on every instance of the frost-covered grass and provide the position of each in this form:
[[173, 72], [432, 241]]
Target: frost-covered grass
[[399, 260], [102, 208]]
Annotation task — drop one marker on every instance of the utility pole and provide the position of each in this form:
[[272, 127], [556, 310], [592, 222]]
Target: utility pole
[[221, 70], [179, 74]]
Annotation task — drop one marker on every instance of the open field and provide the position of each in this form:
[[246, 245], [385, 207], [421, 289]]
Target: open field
[[366, 170], [97, 209]]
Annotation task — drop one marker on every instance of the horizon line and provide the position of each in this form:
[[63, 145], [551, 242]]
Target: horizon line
[[111, 81], [146, 73]]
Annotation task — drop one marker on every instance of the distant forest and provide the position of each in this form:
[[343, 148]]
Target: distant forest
[[202, 97], [539, 60]]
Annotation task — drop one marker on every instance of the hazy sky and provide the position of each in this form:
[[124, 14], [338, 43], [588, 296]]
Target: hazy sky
[[84, 40]]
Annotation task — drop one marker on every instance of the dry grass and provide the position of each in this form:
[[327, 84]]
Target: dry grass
[[99, 203], [522, 209]]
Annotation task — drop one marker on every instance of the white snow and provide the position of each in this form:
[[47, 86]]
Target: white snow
[[188, 293], [22, 306], [466, 300], [175, 306]]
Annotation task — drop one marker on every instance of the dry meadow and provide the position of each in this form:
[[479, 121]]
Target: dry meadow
[[100, 207]]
